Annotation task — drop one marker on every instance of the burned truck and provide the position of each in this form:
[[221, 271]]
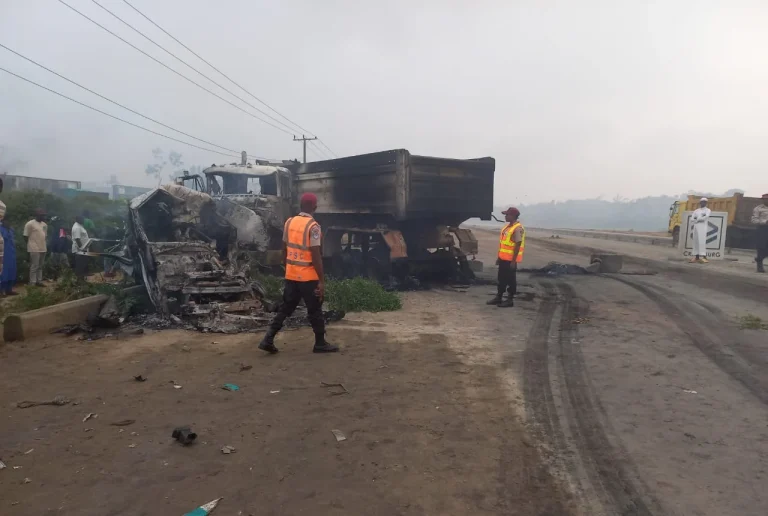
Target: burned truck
[[384, 214]]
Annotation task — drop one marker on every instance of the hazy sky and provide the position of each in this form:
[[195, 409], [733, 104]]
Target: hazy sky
[[574, 99]]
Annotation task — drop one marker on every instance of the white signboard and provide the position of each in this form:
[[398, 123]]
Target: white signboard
[[716, 228]]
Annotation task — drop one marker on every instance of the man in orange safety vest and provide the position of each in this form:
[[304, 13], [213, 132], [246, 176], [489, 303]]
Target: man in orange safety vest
[[511, 248], [304, 276]]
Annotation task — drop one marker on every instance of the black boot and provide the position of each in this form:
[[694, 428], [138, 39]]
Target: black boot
[[268, 342], [495, 301], [760, 267], [508, 303], [323, 346]]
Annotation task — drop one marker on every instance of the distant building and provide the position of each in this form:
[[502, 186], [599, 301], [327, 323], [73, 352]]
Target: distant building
[[127, 192], [26, 183]]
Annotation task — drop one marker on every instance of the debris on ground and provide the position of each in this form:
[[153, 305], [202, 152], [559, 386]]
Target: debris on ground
[[339, 435], [557, 269], [690, 391], [205, 509], [2, 465], [227, 449], [274, 392], [245, 367], [184, 435], [124, 422], [230, 387], [27, 480], [335, 385], [580, 320], [140, 378], [58, 401], [88, 416], [29, 451]]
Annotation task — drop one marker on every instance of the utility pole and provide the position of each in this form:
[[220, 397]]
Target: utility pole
[[304, 140]]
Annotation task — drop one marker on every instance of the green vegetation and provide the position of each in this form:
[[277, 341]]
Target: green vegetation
[[273, 286], [66, 289], [752, 322], [109, 217], [360, 295]]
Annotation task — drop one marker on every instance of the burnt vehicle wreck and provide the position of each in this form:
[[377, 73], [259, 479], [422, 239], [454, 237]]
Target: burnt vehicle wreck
[[187, 259]]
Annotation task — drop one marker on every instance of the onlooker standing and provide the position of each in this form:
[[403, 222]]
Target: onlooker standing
[[36, 233], [79, 239], [88, 224], [2, 217], [59, 250], [8, 274], [760, 220]]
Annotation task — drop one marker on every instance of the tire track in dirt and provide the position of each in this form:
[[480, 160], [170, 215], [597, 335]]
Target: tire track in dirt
[[707, 331], [607, 470], [537, 389]]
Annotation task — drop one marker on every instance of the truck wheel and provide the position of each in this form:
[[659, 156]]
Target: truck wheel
[[676, 236]]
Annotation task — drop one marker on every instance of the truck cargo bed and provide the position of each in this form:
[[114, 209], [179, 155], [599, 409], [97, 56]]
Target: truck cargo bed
[[399, 185]]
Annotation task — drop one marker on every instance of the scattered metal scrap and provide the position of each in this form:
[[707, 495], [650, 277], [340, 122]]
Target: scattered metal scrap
[[58, 401]]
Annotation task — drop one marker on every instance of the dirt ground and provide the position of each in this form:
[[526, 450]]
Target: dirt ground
[[595, 395]]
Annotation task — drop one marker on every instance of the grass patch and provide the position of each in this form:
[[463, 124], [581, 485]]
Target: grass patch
[[752, 322], [273, 286], [360, 295], [350, 295]]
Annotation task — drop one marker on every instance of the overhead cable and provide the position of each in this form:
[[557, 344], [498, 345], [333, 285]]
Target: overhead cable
[[172, 70]]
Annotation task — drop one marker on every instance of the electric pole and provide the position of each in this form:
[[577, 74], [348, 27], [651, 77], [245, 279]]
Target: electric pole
[[304, 140]]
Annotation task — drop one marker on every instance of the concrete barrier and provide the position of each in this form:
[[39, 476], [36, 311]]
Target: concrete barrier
[[43, 320]]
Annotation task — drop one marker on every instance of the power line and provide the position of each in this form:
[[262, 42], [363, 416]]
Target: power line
[[172, 70], [118, 104], [222, 73], [319, 151], [113, 116], [158, 45]]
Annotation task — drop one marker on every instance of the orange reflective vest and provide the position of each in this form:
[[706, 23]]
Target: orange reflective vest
[[298, 263], [507, 246]]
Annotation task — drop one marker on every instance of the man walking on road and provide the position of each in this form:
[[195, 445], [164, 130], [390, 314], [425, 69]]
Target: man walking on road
[[36, 234], [700, 220], [304, 276], [511, 247], [760, 220]]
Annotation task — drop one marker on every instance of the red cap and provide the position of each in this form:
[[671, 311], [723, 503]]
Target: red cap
[[309, 198], [511, 211]]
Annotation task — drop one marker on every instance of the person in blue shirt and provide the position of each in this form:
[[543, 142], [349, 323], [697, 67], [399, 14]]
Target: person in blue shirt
[[8, 276]]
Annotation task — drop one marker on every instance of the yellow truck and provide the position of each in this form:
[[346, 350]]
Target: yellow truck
[[740, 233]]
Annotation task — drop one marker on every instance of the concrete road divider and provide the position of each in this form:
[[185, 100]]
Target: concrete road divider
[[43, 320]]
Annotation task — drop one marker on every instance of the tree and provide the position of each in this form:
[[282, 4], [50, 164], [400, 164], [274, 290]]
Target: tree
[[174, 159]]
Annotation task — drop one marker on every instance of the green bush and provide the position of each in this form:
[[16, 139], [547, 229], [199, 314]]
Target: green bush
[[360, 295]]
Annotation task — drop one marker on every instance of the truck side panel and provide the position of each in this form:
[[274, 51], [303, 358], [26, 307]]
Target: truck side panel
[[461, 189], [402, 186], [358, 184]]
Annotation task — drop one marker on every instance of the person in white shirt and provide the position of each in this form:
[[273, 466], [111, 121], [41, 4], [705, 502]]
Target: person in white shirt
[[36, 234], [79, 239], [700, 220]]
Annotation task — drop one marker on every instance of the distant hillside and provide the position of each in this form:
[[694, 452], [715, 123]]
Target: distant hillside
[[646, 214]]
